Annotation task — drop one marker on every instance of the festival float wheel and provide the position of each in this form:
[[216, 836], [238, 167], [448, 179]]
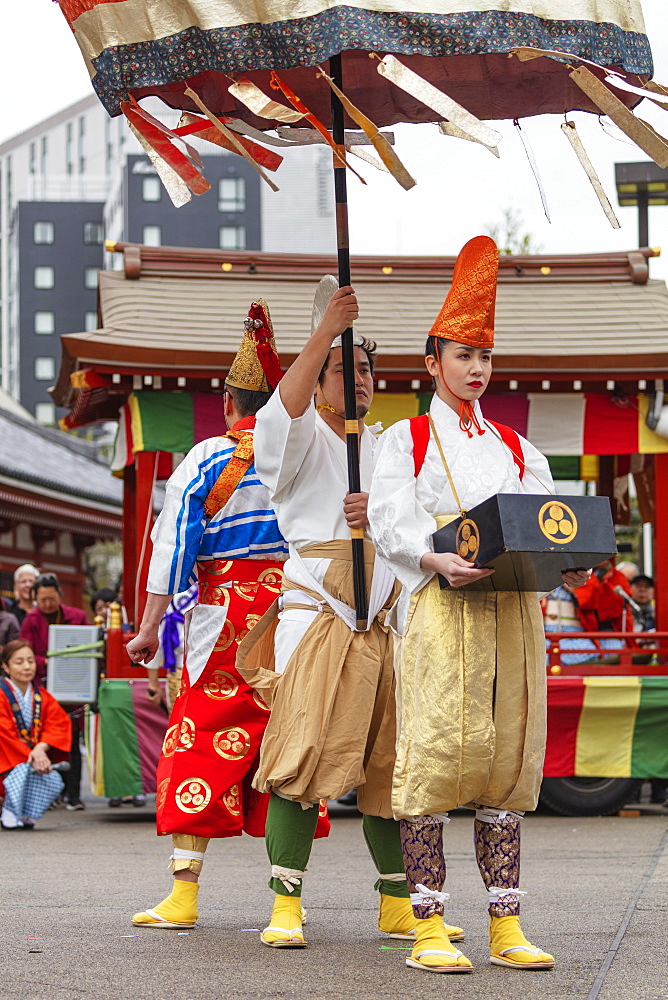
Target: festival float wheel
[[588, 796]]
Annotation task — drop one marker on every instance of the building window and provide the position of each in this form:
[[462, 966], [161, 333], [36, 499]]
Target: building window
[[232, 194], [90, 321], [9, 184], [32, 167], [82, 145], [90, 277], [150, 189], [232, 237], [45, 322], [43, 232], [152, 236], [44, 276], [324, 192], [69, 149], [44, 150], [45, 369], [45, 413], [93, 233], [108, 146]]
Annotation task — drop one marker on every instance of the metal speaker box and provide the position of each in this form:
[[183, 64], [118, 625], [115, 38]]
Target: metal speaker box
[[72, 677], [529, 539]]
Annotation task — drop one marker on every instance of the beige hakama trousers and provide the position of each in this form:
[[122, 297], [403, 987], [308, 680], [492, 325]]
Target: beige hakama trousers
[[333, 715], [471, 702]]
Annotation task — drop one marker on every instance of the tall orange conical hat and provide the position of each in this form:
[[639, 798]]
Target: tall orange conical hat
[[467, 315]]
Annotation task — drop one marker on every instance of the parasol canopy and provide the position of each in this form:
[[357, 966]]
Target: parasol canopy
[[150, 47]]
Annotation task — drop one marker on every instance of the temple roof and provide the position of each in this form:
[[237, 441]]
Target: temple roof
[[178, 314]]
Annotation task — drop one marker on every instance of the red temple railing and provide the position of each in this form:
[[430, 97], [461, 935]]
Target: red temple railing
[[643, 654]]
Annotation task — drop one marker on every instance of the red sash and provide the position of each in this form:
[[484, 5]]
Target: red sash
[[420, 432]]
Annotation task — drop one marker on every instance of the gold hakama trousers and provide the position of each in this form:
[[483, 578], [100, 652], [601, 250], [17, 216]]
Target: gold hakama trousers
[[333, 717], [471, 701]]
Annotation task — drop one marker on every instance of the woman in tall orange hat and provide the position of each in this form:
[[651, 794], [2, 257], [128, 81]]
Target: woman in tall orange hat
[[470, 665]]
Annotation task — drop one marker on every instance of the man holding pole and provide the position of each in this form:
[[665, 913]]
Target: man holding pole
[[331, 689]]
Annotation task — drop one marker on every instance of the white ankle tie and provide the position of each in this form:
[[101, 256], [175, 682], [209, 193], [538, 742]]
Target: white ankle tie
[[290, 877], [498, 893], [425, 895]]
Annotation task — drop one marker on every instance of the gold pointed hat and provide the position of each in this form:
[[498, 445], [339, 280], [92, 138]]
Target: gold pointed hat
[[256, 365], [467, 315]]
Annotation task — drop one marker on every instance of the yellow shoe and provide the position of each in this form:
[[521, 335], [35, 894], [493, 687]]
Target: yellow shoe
[[433, 951], [396, 918], [508, 946], [285, 928], [178, 910]]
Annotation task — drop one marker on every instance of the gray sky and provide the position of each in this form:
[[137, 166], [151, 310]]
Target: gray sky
[[461, 187]]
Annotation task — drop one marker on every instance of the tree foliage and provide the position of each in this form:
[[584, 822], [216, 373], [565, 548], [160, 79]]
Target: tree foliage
[[508, 235]]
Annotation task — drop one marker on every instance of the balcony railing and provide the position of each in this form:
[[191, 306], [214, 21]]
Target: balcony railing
[[643, 654]]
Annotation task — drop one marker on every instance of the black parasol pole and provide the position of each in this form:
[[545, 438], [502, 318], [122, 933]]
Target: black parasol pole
[[352, 430]]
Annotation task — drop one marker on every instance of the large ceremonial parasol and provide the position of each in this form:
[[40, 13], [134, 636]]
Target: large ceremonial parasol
[[364, 66]]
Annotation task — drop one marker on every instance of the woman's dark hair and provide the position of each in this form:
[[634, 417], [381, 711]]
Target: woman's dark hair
[[247, 401], [10, 648], [45, 580], [369, 347], [434, 346], [106, 594]]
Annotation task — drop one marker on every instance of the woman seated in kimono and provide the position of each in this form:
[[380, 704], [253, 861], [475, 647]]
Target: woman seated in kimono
[[32, 724]]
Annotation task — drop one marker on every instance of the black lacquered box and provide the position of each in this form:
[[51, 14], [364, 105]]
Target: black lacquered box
[[529, 540]]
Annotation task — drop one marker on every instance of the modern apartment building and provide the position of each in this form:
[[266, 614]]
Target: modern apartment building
[[79, 178]]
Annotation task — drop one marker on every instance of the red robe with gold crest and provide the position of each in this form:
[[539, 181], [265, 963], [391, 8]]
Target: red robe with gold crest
[[218, 520]]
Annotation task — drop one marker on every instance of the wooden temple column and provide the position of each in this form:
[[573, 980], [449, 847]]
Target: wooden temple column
[[661, 540], [138, 482]]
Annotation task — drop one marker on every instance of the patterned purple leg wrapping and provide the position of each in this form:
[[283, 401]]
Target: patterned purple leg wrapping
[[422, 845], [497, 850]]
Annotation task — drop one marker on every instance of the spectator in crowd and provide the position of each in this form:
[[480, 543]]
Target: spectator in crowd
[[24, 578], [603, 603], [600, 605], [9, 627], [629, 569], [560, 614], [32, 724], [35, 630], [101, 601], [642, 592]]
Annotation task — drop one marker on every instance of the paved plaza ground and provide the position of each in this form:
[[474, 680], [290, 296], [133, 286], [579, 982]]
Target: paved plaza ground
[[598, 899]]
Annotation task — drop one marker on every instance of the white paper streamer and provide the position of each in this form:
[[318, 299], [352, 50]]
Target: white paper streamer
[[571, 133], [367, 157], [534, 166], [449, 128], [176, 188], [621, 84], [444, 106], [257, 101]]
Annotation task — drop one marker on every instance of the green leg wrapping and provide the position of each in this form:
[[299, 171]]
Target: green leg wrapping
[[383, 838], [289, 837]]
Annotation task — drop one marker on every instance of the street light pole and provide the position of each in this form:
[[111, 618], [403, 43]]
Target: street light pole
[[643, 217]]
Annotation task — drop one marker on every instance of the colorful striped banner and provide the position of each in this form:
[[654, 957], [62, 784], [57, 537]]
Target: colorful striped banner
[[559, 424], [166, 421], [607, 727], [124, 739], [572, 429]]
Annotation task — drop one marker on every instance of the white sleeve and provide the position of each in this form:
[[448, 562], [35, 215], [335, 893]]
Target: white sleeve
[[537, 475], [400, 527], [281, 444], [177, 533]]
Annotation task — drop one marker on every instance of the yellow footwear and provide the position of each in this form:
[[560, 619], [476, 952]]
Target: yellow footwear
[[396, 918], [178, 910], [508, 946], [285, 928], [433, 951]]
